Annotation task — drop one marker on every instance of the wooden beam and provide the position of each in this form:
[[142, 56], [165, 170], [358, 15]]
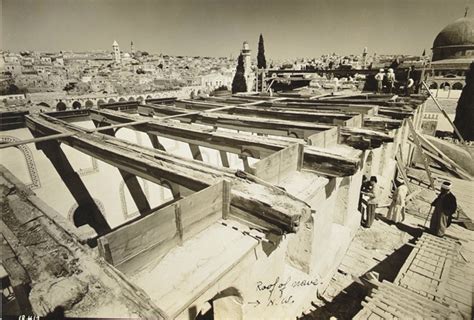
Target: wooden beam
[[131, 181], [224, 158], [273, 206], [272, 126], [420, 150], [244, 145], [195, 151], [74, 183]]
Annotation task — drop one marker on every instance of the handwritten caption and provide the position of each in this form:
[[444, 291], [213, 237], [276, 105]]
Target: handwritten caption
[[279, 291]]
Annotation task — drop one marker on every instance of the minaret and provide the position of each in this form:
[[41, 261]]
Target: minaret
[[364, 58], [132, 49], [249, 76], [116, 48]]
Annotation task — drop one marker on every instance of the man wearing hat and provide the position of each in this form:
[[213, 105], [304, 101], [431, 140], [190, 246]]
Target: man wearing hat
[[444, 207], [379, 78]]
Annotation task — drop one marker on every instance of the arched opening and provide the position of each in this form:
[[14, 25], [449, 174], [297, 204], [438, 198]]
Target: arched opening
[[61, 106], [76, 105], [433, 85], [122, 100], [80, 215], [140, 98], [149, 97], [131, 99], [89, 104], [11, 158], [225, 305], [445, 86], [111, 101], [100, 102], [457, 86], [44, 104]]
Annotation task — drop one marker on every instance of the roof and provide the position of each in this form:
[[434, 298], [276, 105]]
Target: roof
[[457, 33]]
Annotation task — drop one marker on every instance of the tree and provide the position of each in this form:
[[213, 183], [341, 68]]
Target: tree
[[239, 83], [261, 62], [464, 119]]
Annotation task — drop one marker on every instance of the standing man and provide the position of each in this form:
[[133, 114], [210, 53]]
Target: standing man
[[444, 207], [396, 211], [379, 78], [372, 195], [390, 80]]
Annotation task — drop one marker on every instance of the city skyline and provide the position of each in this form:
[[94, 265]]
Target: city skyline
[[218, 28]]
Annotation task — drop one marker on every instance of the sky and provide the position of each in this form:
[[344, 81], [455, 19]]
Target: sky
[[291, 28]]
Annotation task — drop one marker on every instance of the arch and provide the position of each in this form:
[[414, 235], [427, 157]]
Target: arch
[[140, 98], [79, 216], [61, 106], [100, 102], [30, 161], [224, 305], [122, 99], [131, 99], [76, 105], [433, 85], [111, 101], [457, 86], [149, 97], [445, 86], [44, 104], [89, 104]]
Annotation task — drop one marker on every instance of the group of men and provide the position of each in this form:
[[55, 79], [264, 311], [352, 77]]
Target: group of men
[[444, 205], [389, 80]]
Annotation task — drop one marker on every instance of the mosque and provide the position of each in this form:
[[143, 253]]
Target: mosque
[[453, 52]]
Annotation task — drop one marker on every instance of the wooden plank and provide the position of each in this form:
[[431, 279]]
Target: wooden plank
[[154, 229], [325, 139], [401, 170], [279, 165], [437, 155], [201, 209], [420, 149]]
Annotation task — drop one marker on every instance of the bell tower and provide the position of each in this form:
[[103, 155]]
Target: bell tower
[[116, 50]]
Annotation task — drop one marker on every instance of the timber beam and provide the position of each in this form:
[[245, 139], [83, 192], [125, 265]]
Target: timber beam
[[259, 147], [388, 119], [296, 129], [263, 205]]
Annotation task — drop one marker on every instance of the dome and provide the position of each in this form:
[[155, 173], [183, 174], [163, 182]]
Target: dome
[[455, 41], [458, 33]]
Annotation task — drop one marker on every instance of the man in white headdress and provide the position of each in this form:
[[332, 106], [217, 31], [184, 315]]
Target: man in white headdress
[[379, 78], [444, 207], [390, 80], [396, 211]]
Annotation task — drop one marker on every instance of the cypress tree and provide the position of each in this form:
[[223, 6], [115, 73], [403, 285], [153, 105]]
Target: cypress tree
[[239, 84], [261, 62]]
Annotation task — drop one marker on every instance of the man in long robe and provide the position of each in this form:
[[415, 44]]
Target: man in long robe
[[396, 211], [444, 207]]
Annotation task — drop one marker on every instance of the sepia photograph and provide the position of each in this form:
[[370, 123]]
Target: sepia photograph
[[237, 159]]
